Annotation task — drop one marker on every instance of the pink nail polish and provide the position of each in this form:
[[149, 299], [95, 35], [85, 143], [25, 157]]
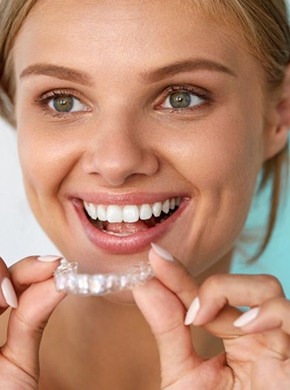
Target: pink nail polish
[[192, 311], [9, 293], [48, 258], [162, 252], [247, 317]]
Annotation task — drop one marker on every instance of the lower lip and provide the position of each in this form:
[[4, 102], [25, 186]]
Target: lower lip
[[127, 244]]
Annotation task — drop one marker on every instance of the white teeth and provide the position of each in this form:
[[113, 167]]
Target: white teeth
[[145, 212], [130, 213], [114, 214], [172, 204], [93, 211], [157, 209], [102, 213], [165, 206]]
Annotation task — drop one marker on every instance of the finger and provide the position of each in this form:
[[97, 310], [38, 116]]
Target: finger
[[235, 290], [27, 322], [273, 319], [22, 275], [173, 274], [273, 314], [7, 293], [165, 314], [176, 278]]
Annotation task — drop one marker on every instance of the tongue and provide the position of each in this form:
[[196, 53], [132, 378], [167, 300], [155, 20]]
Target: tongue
[[128, 228]]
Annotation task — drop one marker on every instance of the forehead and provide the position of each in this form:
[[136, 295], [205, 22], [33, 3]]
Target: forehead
[[96, 34]]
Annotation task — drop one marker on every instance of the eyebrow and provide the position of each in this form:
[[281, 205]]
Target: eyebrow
[[186, 66], [70, 74], [59, 72]]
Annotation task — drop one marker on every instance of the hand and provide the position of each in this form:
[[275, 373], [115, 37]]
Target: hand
[[257, 346], [37, 298]]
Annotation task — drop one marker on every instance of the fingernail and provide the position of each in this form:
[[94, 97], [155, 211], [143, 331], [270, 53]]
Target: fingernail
[[48, 258], [247, 317], [9, 293], [192, 311], [162, 252]]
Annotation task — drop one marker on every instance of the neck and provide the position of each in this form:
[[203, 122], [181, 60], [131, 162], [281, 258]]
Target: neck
[[110, 344]]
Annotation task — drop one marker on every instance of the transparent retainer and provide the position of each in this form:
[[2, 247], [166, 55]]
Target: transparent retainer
[[68, 279]]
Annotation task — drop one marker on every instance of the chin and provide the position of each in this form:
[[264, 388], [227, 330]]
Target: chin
[[121, 298]]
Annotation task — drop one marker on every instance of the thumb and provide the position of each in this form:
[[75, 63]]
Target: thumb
[[165, 314]]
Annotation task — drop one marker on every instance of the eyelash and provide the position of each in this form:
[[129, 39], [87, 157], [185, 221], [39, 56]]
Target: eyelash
[[198, 92], [44, 100]]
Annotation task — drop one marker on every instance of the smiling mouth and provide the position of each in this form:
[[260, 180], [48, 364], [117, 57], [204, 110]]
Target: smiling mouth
[[127, 220]]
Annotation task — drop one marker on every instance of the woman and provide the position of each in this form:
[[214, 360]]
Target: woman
[[142, 125]]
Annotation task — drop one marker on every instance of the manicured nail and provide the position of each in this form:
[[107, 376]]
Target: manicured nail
[[247, 317], [9, 293], [192, 311], [48, 258], [162, 252]]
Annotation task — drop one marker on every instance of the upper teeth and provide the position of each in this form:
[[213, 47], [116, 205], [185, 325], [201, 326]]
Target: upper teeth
[[129, 213]]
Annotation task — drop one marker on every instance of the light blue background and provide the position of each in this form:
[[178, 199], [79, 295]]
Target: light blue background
[[276, 258]]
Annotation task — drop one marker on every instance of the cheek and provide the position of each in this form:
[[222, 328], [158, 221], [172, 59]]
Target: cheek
[[45, 163], [41, 149], [221, 165], [219, 155]]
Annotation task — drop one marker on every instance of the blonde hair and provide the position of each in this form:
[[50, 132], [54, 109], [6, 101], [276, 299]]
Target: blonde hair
[[263, 24]]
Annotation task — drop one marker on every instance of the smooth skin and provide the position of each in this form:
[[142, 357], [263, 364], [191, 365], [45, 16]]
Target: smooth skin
[[209, 153]]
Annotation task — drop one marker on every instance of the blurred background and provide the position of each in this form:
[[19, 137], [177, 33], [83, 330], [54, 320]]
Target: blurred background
[[21, 236]]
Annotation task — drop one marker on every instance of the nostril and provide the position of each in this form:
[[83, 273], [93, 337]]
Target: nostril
[[117, 154]]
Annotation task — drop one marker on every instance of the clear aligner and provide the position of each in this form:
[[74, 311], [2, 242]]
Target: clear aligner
[[68, 279]]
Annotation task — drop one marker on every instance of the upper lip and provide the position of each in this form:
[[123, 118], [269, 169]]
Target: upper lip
[[126, 198]]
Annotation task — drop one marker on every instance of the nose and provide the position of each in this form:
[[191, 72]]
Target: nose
[[118, 151]]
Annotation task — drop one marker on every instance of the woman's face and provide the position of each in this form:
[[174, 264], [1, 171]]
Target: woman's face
[[128, 107]]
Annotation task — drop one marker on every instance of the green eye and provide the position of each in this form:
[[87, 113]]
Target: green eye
[[180, 99], [65, 104]]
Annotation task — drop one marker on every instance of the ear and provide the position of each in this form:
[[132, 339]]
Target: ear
[[278, 128]]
